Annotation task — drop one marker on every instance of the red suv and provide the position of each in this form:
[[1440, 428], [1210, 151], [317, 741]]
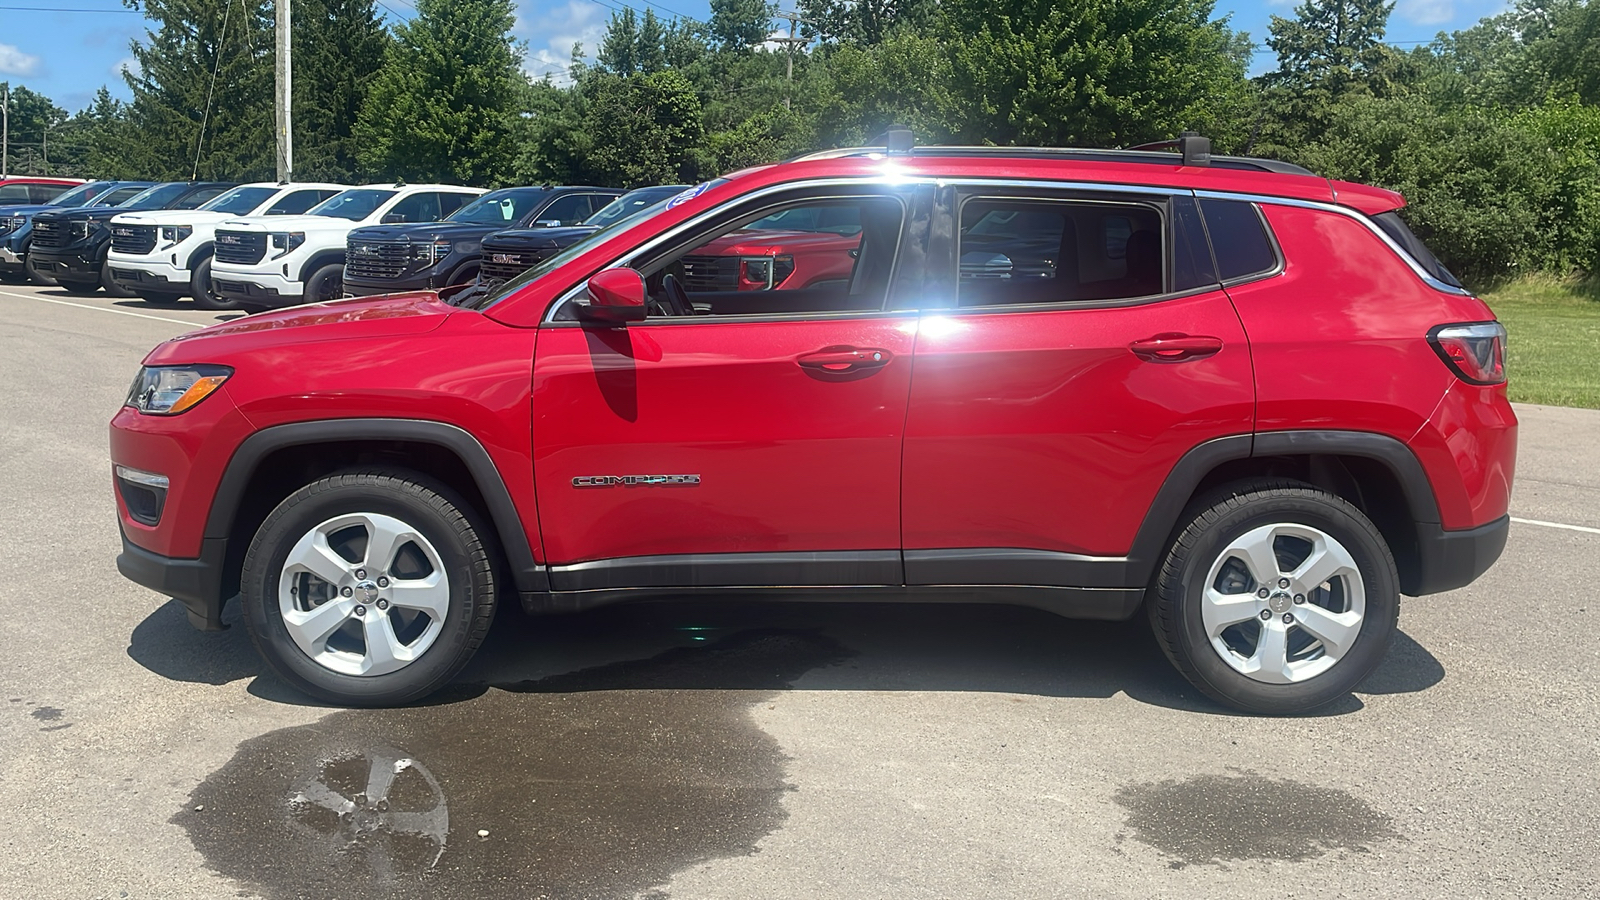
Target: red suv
[[1239, 396]]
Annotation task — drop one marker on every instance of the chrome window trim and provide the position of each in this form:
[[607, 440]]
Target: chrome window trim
[[1348, 213]]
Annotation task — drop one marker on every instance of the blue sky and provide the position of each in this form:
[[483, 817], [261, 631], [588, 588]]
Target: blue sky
[[68, 48]]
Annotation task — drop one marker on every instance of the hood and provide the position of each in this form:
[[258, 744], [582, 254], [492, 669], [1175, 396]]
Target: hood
[[287, 223], [422, 232], [768, 243], [81, 214], [537, 238], [170, 217], [27, 210], [395, 315]]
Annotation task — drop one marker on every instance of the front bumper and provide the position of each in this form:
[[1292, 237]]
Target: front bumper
[[11, 257], [149, 274], [260, 287], [64, 265], [196, 583], [1447, 560], [372, 287]]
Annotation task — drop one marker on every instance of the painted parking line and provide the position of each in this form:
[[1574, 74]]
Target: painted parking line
[[1562, 525], [120, 312]]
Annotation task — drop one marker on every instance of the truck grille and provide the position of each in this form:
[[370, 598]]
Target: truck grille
[[135, 239], [242, 248], [497, 268], [711, 273], [49, 234], [377, 259]]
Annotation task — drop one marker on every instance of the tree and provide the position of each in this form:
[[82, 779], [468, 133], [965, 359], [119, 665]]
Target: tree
[[445, 103], [31, 115], [1090, 73], [633, 45], [1330, 42], [738, 25], [644, 129], [339, 47], [202, 91], [864, 22]]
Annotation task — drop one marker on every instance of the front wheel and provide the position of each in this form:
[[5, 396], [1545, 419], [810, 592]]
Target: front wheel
[[112, 289], [326, 283], [200, 287], [368, 588], [1276, 597]]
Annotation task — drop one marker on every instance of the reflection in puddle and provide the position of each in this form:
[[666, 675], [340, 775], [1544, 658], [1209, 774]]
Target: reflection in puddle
[[1216, 818], [597, 783]]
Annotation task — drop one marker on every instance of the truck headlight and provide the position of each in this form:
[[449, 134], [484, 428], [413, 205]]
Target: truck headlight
[[176, 234], [81, 228], [169, 390], [286, 241]]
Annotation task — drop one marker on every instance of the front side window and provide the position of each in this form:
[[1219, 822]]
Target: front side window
[[1015, 250], [240, 201], [355, 204], [810, 256]]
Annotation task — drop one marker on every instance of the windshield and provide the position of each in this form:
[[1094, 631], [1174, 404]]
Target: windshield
[[355, 204], [78, 196], [632, 202], [500, 292], [156, 197], [239, 201], [503, 207]]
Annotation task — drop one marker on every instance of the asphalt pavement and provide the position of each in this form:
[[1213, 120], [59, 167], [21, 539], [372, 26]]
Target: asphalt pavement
[[782, 751]]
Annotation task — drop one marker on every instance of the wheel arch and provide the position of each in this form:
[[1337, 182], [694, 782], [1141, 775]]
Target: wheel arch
[[274, 462], [1375, 472], [328, 257]]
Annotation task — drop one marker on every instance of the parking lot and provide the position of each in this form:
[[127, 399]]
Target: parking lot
[[723, 751]]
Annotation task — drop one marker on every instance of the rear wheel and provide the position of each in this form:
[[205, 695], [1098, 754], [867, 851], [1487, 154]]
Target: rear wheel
[[326, 283], [1276, 597], [112, 288], [368, 588]]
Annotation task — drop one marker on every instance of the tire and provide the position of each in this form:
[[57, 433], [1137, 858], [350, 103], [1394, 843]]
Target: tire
[[339, 656], [81, 288], [326, 283], [111, 287], [200, 287], [466, 274], [1341, 624]]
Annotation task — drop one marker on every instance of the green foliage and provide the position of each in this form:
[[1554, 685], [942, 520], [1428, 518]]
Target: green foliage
[[864, 22], [1330, 43], [31, 115], [739, 25], [647, 127], [339, 47]]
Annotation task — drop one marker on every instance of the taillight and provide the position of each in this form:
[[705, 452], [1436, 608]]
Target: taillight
[[1475, 352]]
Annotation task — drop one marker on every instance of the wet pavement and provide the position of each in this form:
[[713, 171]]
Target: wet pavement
[[728, 750]]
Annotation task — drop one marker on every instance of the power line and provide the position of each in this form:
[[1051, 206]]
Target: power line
[[70, 9]]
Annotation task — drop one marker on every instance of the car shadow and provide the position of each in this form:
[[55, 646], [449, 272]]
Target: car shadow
[[884, 647]]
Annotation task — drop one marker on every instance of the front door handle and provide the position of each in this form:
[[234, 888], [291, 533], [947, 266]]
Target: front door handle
[[1175, 346], [845, 359]]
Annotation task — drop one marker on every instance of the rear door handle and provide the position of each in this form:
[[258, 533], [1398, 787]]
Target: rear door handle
[[1175, 346], [846, 359]]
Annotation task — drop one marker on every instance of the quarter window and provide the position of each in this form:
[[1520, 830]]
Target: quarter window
[[1048, 251], [1239, 238], [816, 256]]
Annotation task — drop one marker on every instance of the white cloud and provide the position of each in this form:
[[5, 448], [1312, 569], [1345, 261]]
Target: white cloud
[[15, 62], [552, 29], [128, 63], [1426, 12]]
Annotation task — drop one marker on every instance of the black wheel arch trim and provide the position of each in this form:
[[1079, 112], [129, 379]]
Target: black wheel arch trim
[[528, 574]]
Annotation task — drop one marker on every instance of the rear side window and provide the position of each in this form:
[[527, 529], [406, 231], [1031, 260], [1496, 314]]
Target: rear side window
[[1239, 239], [297, 202], [1396, 228], [13, 193], [199, 197], [1019, 250], [1191, 258]]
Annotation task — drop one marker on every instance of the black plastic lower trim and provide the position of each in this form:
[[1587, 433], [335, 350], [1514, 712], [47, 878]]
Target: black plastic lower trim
[[196, 583], [1070, 602], [1013, 565], [697, 570], [1451, 559], [1387, 450]]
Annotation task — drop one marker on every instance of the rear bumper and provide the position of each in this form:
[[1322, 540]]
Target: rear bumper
[[196, 583], [1447, 560]]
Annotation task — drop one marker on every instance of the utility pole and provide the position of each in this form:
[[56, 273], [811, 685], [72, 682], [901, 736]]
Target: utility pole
[[285, 126], [5, 133], [790, 43]]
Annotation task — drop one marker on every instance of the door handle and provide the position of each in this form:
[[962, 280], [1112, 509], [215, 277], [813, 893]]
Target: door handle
[[846, 359], [1174, 346]]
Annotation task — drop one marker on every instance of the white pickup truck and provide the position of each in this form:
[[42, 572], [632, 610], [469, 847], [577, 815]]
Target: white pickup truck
[[161, 255], [263, 262]]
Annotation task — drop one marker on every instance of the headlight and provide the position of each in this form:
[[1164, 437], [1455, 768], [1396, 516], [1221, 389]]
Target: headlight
[[81, 228], [287, 241], [176, 234], [432, 252], [169, 390], [12, 223]]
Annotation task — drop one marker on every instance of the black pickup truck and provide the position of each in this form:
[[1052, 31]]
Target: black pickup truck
[[507, 254], [70, 245], [384, 259]]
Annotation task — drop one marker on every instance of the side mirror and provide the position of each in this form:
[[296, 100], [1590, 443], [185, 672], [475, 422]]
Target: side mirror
[[616, 297], [393, 218], [547, 223]]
